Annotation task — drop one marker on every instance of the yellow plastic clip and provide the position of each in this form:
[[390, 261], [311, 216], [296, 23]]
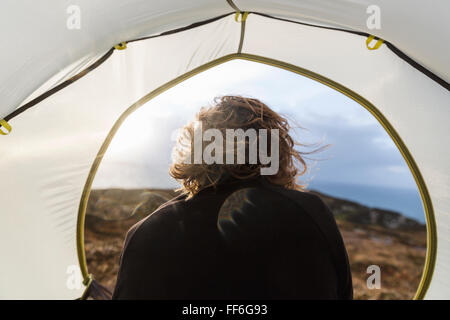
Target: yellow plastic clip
[[5, 125], [121, 46], [376, 46], [244, 16]]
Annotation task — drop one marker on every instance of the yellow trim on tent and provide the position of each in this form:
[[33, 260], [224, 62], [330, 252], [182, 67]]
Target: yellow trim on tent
[[87, 282], [429, 213]]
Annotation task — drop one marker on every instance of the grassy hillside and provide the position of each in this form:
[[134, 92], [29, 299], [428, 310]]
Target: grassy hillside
[[372, 236]]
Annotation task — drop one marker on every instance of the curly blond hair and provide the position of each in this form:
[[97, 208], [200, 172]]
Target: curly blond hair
[[235, 112]]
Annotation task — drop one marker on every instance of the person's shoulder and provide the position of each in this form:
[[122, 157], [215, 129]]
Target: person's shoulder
[[258, 216], [278, 204], [274, 195], [271, 205], [158, 223], [306, 200]]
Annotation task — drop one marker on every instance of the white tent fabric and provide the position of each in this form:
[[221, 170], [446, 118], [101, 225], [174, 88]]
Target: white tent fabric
[[47, 158]]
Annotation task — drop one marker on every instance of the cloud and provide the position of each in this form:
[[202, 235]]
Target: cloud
[[360, 152]]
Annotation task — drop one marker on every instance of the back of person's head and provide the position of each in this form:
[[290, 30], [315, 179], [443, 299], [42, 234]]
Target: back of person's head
[[210, 134]]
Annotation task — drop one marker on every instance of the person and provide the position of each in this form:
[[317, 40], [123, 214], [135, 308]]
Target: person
[[233, 232]]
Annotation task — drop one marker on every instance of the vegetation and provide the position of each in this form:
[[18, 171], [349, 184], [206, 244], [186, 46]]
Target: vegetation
[[372, 236]]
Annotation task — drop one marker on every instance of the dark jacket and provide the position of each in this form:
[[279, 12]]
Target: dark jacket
[[242, 240]]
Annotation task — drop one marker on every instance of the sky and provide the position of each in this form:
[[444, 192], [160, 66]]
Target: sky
[[360, 151]]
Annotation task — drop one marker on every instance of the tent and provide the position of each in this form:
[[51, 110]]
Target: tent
[[72, 72]]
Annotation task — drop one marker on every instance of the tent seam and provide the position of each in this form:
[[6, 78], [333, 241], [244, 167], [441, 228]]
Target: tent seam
[[233, 5], [97, 63], [59, 87], [394, 49]]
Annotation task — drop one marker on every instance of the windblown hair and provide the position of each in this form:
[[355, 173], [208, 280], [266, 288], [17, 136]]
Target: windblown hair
[[235, 112]]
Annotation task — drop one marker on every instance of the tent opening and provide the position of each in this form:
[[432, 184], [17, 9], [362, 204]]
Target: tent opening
[[365, 176]]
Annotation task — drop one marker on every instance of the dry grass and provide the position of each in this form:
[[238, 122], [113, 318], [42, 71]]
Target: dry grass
[[399, 254]]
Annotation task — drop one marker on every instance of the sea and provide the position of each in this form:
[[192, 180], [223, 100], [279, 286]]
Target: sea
[[402, 200]]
